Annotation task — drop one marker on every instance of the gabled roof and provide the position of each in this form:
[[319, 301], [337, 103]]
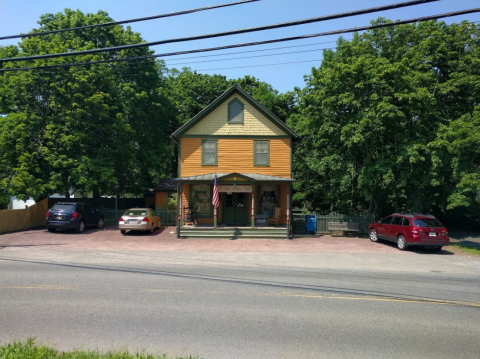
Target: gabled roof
[[219, 100], [166, 184]]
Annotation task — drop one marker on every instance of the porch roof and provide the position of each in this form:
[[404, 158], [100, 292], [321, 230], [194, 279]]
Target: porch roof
[[255, 177]]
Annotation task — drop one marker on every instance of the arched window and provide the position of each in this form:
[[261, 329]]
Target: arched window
[[235, 111]]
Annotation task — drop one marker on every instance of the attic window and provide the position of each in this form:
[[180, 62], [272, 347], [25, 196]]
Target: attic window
[[235, 111]]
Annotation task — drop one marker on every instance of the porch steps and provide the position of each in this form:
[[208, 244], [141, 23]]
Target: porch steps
[[232, 233]]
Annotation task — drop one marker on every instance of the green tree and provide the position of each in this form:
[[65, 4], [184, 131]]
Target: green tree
[[456, 151], [371, 111], [190, 92], [82, 127]]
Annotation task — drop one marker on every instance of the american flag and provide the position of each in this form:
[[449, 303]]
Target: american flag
[[215, 193]]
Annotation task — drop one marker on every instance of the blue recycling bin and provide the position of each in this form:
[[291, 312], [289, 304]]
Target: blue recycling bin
[[311, 223]]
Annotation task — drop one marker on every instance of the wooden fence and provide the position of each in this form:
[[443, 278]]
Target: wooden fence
[[20, 219], [299, 221], [167, 218]]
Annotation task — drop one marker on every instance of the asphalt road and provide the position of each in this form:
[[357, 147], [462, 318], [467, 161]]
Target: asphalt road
[[247, 304]]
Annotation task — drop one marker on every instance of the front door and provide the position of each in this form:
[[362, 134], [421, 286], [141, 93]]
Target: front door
[[235, 210]]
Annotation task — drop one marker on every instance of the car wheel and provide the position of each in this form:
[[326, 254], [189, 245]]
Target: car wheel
[[81, 227], [51, 229], [436, 249], [373, 235], [401, 243], [152, 228], [101, 223], [122, 231]]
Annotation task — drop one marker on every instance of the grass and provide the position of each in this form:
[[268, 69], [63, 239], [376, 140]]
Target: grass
[[30, 350], [464, 249]]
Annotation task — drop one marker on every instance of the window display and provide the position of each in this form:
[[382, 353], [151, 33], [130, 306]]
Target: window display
[[269, 199], [201, 199]]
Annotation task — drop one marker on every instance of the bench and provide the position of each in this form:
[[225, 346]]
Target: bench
[[343, 227]]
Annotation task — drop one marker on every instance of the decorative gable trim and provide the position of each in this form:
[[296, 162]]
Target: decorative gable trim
[[239, 176]]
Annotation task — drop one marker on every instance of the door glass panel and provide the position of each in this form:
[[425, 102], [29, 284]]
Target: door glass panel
[[406, 222], [240, 199], [229, 200]]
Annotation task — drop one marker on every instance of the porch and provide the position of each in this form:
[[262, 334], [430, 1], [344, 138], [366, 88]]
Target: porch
[[247, 204]]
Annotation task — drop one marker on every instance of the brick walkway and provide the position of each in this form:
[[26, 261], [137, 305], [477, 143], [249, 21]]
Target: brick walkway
[[109, 238]]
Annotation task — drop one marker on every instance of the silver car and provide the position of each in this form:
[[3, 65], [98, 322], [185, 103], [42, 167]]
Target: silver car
[[139, 219]]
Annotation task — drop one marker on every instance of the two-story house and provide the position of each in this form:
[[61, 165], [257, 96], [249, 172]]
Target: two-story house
[[249, 150]]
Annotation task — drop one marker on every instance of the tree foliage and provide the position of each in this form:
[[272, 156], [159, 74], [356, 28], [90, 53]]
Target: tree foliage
[[82, 127], [381, 121]]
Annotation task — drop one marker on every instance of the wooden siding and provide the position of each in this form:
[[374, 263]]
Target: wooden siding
[[235, 155], [255, 123], [160, 198]]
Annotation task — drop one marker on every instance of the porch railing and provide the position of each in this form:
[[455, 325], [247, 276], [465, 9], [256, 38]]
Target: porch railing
[[168, 218]]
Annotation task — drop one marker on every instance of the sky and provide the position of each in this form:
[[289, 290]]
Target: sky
[[282, 65]]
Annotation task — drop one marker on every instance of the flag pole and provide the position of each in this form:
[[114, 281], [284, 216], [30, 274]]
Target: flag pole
[[215, 201], [214, 217]]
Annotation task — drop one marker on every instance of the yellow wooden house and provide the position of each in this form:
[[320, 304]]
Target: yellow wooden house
[[249, 150]]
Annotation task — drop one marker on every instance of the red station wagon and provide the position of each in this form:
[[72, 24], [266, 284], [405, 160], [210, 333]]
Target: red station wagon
[[410, 230]]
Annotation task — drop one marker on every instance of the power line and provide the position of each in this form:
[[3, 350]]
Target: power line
[[142, 66], [224, 68], [128, 21], [242, 67], [226, 33], [250, 57], [259, 50], [167, 55], [335, 32]]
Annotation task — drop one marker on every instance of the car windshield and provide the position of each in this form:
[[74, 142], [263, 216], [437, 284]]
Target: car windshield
[[136, 212], [427, 222], [64, 207]]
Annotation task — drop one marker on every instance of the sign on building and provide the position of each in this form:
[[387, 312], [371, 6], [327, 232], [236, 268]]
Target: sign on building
[[234, 189]]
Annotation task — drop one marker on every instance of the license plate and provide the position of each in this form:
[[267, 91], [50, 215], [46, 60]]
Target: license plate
[[132, 221], [432, 234], [58, 217]]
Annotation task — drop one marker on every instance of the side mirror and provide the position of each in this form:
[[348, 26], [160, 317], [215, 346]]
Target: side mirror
[[380, 221]]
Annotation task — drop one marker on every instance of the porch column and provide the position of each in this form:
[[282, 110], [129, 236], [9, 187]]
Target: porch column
[[253, 206], [288, 210], [179, 209]]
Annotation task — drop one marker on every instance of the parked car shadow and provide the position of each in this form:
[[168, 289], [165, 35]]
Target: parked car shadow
[[29, 245], [109, 228], [88, 230], [421, 250], [156, 232]]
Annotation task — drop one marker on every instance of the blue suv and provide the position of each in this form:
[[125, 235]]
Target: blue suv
[[73, 215]]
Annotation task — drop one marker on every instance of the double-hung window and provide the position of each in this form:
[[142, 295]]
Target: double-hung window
[[209, 152], [261, 153]]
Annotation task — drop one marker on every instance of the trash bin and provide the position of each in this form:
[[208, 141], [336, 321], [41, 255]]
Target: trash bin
[[311, 223]]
